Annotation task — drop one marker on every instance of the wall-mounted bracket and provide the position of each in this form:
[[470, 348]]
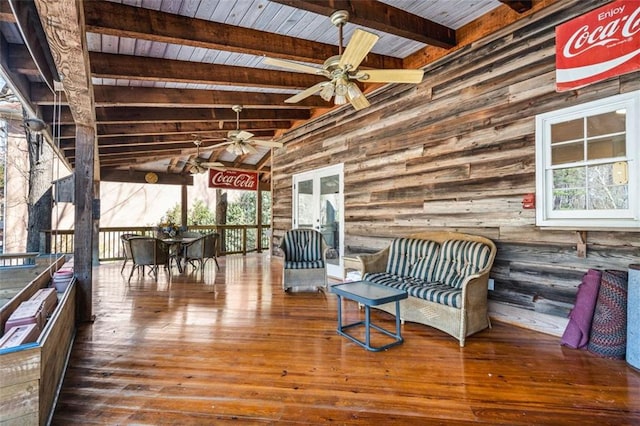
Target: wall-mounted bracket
[[582, 244]]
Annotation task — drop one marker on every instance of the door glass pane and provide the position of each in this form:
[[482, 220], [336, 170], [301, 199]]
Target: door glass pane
[[305, 204], [330, 212]]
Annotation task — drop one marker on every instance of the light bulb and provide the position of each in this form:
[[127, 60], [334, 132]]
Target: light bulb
[[353, 91], [341, 87], [327, 92]]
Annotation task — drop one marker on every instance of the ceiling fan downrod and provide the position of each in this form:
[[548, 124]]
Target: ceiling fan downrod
[[339, 18]]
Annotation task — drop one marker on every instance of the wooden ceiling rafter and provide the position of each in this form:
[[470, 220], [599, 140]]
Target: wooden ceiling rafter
[[519, 6], [139, 68], [146, 24], [383, 17], [112, 96]]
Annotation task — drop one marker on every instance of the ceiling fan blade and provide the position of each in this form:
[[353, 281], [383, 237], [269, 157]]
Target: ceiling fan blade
[[392, 76], [270, 144], [248, 149], [307, 92], [244, 135], [358, 48], [295, 66], [211, 164], [356, 97]]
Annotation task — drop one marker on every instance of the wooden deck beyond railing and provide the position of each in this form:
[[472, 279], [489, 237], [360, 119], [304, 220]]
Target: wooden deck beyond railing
[[229, 346], [234, 239]]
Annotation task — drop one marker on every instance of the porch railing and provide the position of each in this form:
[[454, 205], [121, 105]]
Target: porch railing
[[233, 239]]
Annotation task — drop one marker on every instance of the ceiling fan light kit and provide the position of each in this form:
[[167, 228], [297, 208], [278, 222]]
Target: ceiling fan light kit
[[343, 68]]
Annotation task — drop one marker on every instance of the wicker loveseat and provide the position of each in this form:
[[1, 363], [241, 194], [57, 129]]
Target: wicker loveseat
[[446, 275]]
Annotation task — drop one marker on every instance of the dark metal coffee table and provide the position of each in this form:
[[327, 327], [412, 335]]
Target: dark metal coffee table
[[369, 294]]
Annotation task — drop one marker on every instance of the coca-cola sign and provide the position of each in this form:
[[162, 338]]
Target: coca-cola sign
[[598, 45], [233, 179]]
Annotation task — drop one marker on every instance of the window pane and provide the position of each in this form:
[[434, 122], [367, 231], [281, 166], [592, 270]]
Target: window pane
[[605, 124], [569, 178], [608, 147], [604, 194], [567, 153], [567, 131], [569, 199]]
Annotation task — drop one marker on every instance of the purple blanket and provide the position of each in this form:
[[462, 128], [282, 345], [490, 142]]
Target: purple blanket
[[576, 335]]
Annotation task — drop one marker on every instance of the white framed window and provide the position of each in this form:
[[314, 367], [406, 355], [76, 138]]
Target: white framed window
[[587, 165]]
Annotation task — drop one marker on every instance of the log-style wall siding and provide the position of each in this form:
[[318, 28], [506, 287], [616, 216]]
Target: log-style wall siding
[[457, 152]]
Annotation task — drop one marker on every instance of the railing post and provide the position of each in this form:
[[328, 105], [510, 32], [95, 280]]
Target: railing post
[[244, 240]]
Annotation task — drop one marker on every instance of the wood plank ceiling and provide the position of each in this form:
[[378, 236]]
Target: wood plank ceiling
[[166, 72]]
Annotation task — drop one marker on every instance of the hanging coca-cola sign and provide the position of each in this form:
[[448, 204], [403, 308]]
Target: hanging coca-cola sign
[[598, 45], [233, 179]]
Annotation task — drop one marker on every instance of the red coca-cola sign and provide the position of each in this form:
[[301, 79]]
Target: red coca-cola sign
[[598, 45], [233, 179]]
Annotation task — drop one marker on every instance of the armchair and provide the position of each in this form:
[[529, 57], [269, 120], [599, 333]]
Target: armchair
[[126, 248], [149, 251], [304, 266], [201, 250]]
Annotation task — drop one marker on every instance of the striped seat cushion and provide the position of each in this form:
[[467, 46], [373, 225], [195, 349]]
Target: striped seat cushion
[[385, 279], [303, 245], [434, 292], [460, 259], [304, 265], [412, 257]]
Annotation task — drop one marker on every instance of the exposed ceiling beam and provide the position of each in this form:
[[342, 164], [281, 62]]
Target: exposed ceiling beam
[[175, 115], [35, 39], [111, 130], [145, 24], [519, 6], [187, 140], [6, 14], [170, 97], [129, 67], [382, 17]]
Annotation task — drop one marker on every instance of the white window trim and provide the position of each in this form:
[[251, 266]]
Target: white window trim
[[629, 218]]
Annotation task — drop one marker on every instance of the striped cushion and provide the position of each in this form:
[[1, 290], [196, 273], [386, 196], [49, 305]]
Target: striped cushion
[[435, 292], [303, 245], [304, 265], [412, 257], [459, 259], [385, 279]]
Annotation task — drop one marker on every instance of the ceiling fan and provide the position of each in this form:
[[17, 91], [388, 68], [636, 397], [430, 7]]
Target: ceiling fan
[[239, 142], [342, 69], [198, 165]]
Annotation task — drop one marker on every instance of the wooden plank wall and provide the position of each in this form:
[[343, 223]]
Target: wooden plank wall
[[457, 152]]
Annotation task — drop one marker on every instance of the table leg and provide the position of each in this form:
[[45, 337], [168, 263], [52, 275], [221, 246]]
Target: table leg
[[398, 318], [339, 313], [367, 326]]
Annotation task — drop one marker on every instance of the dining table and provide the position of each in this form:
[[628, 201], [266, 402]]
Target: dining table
[[175, 245]]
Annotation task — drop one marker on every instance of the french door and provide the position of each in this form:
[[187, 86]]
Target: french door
[[318, 202]]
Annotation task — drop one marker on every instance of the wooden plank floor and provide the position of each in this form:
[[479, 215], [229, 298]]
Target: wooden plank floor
[[230, 347]]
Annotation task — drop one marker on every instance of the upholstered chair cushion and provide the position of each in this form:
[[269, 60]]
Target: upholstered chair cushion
[[412, 257], [303, 246], [460, 259]]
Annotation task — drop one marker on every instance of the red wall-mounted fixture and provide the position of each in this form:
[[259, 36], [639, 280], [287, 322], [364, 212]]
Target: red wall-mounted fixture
[[529, 201]]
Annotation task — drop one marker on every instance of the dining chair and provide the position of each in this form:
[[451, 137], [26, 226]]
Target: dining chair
[[199, 251], [149, 251], [305, 254], [126, 248]]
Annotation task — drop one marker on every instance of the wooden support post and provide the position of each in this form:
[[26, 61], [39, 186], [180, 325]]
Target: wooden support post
[[259, 220], [184, 206], [582, 244], [84, 232]]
